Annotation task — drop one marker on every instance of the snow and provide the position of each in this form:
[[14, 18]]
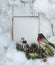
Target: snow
[[46, 7], [10, 56], [8, 53], [45, 25], [41, 4]]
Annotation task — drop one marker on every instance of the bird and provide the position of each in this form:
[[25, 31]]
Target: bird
[[45, 44], [42, 38]]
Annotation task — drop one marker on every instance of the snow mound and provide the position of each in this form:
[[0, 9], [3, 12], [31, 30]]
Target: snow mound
[[45, 6]]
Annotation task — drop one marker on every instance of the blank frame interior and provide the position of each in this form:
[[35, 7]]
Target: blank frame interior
[[27, 27]]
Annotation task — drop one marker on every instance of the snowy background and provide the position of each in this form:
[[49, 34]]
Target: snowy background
[[8, 53]]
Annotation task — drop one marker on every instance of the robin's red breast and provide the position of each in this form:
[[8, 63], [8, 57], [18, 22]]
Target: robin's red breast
[[39, 40], [42, 38]]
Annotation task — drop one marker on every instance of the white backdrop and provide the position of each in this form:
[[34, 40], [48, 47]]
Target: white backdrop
[[26, 27]]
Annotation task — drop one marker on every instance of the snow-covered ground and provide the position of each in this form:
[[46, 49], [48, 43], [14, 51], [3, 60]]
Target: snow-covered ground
[[10, 56], [8, 53]]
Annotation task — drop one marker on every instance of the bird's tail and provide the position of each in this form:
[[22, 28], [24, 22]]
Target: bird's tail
[[53, 45]]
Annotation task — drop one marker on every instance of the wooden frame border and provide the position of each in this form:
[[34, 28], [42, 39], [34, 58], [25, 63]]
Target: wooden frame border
[[12, 33]]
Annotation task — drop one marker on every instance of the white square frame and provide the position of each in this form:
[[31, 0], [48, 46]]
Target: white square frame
[[13, 24]]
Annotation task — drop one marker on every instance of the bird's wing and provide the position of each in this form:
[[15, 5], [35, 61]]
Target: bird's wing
[[44, 40]]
